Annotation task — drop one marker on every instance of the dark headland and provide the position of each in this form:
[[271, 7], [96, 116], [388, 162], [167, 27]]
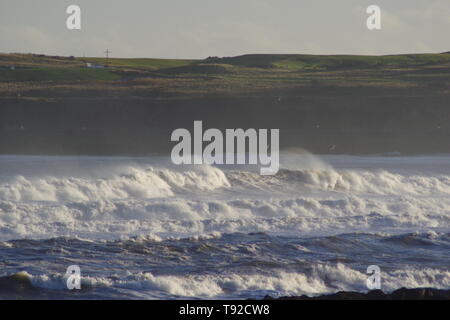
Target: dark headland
[[325, 104]]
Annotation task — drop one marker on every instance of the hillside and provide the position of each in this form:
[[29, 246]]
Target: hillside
[[325, 104], [231, 75]]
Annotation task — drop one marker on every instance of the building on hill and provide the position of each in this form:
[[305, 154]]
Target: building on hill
[[94, 66]]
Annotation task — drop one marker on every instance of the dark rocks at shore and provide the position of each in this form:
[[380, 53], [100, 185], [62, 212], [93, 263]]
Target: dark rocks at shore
[[400, 294]]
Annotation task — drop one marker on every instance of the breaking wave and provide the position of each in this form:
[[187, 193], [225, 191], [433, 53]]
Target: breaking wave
[[319, 279], [138, 183], [154, 230], [128, 199]]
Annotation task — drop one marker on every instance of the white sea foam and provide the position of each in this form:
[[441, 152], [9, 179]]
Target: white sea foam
[[337, 209], [120, 198], [169, 217], [137, 183], [319, 279]]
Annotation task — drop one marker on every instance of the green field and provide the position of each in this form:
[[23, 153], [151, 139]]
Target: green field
[[142, 63], [229, 75], [326, 62], [57, 74]]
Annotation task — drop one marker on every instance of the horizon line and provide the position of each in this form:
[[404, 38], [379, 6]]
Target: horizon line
[[231, 56]]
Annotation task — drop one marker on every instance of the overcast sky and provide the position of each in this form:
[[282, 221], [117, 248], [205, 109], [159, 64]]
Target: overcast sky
[[201, 28]]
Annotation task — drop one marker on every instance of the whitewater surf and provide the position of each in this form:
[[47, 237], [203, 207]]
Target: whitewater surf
[[141, 227]]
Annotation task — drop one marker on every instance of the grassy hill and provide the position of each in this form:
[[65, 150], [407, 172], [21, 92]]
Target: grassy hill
[[140, 63], [231, 75], [56, 74], [327, 62], [325, 104], [32, 67]]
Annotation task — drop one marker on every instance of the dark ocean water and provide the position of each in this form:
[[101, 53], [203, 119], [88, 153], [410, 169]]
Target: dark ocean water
[[139, 228], [226, 266]]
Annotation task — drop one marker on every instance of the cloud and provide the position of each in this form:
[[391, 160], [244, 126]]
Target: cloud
[[200, 28], [25, 38]]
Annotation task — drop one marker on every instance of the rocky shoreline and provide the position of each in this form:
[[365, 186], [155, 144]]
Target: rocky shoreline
[[399, 294]]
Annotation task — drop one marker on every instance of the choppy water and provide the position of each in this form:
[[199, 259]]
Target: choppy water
[[142, 228]]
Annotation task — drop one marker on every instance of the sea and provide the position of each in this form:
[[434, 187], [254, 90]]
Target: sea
[[144, 228]]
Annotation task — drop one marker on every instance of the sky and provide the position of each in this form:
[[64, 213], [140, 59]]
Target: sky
[[202, 28]]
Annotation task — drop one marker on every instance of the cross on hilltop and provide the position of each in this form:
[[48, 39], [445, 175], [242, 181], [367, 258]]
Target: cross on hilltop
[[107, 57]]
